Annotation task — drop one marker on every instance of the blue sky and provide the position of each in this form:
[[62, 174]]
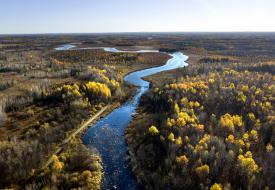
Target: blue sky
[[84, 16]]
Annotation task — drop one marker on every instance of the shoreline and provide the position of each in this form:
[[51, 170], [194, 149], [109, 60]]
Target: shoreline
[[174, 61], [77, 140], [131, 159], [132, 89]]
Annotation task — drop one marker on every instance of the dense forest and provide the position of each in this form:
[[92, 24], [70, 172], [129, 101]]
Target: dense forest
[[209, 125], [45, 96]]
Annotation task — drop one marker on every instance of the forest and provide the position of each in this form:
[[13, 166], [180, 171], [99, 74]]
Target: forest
[[209, 125], [45, 95]]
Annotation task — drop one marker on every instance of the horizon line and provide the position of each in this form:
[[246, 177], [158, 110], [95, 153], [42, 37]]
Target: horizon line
[[145, 32]]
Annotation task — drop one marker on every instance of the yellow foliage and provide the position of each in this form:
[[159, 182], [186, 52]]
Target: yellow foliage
[[170, 122], [97, 88], [100, 74], [251, 116], [232, 86], [178, 141], [226, 72], [230, 122], [258, 91], [176, 108], [241, 142], [153, 130], [86, 174], [230, 138], [171, 137], [182, 160], [245, 137], [234, 97], [268, 105], [184, 102], [248, 164], [248, 154], [202, 171], [184, 116], [199, 127], [56, 164], [114, 83], [227, 122], [211, 81], [70, 90], [216, 186], [191, 104], [189, 86], [54, 158], [269, 147], [254, 135], [237, 120], [241, 97], [245, 88], [202, 144], [181, 122], [197, 104], [193, 90]]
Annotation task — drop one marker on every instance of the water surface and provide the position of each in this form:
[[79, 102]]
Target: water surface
[[65, 47], [107, 135]]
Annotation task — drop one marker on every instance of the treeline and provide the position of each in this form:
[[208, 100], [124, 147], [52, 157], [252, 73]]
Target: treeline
[[168, 50], [215, 60], [261, 66], [213, 128], [99, 57], [93, 56]]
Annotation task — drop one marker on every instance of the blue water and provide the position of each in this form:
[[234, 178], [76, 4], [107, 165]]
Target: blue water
[[107, 135], [65, 47]]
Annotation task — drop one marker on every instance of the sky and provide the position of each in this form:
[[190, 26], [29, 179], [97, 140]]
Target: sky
[[95, 16]]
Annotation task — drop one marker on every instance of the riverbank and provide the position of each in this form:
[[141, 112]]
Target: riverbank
[[107, 135], [130, 90], [180, 137], [55, 111], [34, 117]]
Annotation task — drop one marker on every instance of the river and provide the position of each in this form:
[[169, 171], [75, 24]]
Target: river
[[106, 136]]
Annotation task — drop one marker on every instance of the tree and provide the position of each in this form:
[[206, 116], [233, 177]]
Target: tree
[[153, 130], [216, 186], [202, 171]]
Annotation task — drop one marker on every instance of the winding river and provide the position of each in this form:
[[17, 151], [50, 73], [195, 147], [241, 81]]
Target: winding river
[[107, 135]]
